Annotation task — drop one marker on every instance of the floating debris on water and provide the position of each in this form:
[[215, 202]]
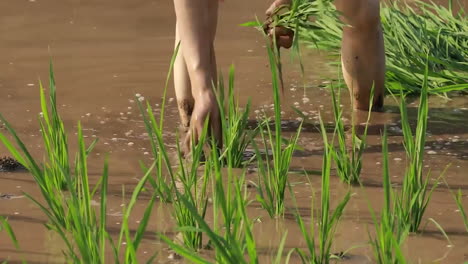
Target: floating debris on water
[[9, 164], [174, 256]]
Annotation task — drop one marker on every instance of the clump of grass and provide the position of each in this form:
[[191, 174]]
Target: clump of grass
[[328, 221], [161, 178], [412, 201], [273, 177], [231, 235], [71, 214], [390, 233], [459, 201], [54, 134], [348, 163], [5, 226], [234, 123], [193, 188], [163, 172]]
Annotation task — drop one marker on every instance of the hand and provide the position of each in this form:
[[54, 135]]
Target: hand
[[284, 36], [271, 10]]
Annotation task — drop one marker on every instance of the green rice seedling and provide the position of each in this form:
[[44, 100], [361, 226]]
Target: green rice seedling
[[412, 34], [390, 233], [193, 188], [273, 177], [53, 133], [72, 214], [55, 175], [163, 172], [459, 201], [234, 122], [414, 197], [231, 235], [75, 220], [5, 226], [348, 163], [320, 253], [161, 179]]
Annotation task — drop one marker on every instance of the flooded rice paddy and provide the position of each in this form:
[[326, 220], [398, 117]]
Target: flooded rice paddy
[[107, 52]]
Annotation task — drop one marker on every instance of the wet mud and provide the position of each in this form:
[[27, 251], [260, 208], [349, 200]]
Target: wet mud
[[105, 53]]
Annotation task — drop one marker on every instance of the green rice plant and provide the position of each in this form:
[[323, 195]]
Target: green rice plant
[[319, 253], [161, 178], [348, 163], [390, 233], [415, 194], [5, 226], [75, 220], [459, 201], [71, 214], [231, 236], [273, 177], [53, 133], [193, 188], [234, 123], [427, 30], [55, 174], [163, 172]]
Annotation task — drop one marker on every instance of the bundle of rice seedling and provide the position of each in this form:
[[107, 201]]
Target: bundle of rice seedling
[[412, 33]]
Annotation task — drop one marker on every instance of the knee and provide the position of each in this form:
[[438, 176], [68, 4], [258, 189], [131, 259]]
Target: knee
[[360, 13], [201, 79]]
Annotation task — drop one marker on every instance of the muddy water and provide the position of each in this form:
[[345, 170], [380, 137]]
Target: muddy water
[[104, 53]]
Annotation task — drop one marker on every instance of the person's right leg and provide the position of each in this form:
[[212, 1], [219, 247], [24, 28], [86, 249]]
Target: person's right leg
[[183, 88], [196, 24], [362, 51]]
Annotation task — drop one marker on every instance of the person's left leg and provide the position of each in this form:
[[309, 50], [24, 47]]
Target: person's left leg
[[196, 24], [183, 88], [362, 52]]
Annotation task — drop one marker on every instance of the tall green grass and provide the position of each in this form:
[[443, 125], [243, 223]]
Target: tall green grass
[[71, 215], [5, 226], [230, 235], [273, 173], [328, 221], [390, 232], [459, 201], [55, 143], [192, 187], [412, 201], [53, 133], [163, 172], [348, 162], [234, 123]]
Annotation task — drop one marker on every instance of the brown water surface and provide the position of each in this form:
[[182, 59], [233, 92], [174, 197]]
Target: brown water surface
[[105, 52]]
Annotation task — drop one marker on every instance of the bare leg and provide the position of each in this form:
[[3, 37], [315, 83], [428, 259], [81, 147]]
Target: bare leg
[[362, 51], [196, 25], [183, 89]]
